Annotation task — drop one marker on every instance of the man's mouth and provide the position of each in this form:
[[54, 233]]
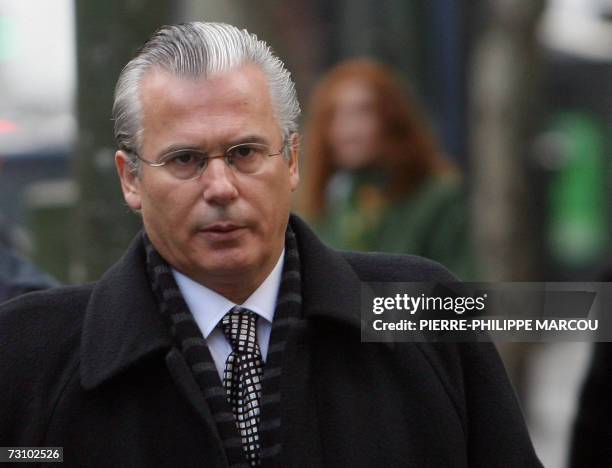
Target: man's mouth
[[222, 231]]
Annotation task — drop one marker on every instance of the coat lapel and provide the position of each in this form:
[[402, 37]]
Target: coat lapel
[[123, 326], [183, 378], [331, 289], [330, 295], [330, 286]]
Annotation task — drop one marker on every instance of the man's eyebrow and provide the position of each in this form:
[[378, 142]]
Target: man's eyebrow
[[249, 139], [178, 147]]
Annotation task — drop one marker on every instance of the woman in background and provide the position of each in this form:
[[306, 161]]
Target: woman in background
[[377, 180]]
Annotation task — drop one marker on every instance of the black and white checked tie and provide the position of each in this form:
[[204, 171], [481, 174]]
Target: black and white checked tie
[[242, 376]]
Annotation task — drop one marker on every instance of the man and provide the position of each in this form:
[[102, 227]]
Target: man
[[228, 334], [17, 275]]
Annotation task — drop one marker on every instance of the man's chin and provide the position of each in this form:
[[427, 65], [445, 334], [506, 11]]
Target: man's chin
[[224, 261]]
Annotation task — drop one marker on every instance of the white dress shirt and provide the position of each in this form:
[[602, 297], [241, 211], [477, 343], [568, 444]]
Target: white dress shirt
[[209, 307]]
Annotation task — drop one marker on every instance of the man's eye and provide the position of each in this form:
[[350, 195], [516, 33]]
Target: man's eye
[[243, 151], [183, 159]]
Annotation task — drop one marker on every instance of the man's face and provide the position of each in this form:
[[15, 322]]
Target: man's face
[[223, 228]]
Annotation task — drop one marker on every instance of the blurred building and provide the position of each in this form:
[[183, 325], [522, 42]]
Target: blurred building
[[37, 122], [574, 149]]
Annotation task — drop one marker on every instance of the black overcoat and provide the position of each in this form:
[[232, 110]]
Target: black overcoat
[[92, 369]]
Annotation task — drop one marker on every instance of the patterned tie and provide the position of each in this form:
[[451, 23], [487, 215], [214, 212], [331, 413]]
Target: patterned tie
[[242, 376]]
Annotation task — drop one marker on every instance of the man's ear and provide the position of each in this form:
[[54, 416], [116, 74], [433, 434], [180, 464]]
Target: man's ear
[[130, 182], [294, 166]]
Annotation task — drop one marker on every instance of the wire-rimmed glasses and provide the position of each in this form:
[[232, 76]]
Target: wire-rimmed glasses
[[185, 164]]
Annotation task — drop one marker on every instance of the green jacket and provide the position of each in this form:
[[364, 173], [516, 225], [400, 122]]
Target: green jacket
[[432, 222]]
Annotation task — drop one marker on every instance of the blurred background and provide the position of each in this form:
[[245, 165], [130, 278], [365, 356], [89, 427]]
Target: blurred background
[[518, 92]]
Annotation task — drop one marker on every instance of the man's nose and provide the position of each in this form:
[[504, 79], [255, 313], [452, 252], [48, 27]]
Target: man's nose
[[219, 182]]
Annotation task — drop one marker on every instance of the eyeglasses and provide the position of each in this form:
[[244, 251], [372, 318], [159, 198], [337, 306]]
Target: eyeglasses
[[185, 164]]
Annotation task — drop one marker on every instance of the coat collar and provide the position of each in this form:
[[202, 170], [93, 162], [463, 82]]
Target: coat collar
[[330, 287], [122, 323]]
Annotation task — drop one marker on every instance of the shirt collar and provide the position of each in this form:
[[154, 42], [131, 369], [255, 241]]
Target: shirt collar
[[208, 307]]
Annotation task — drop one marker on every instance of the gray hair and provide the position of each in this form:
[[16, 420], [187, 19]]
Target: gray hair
[[193, 50]]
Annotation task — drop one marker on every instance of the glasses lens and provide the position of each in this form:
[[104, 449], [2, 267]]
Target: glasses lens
[[185, 164], [248, 158]]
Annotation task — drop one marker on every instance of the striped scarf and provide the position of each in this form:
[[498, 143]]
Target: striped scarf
[[189, 340]]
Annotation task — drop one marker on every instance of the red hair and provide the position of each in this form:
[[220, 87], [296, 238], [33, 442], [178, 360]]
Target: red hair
[[408, 151]]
